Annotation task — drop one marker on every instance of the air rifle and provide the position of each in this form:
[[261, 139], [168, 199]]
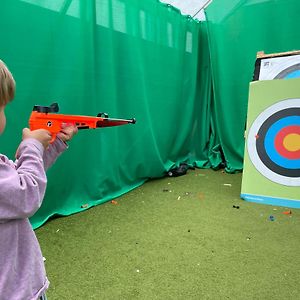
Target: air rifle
[[45, 117]]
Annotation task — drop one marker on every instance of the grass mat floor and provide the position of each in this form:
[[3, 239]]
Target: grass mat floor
[[175, 238]]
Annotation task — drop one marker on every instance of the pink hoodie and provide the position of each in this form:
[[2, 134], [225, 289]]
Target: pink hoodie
[[22, 188]]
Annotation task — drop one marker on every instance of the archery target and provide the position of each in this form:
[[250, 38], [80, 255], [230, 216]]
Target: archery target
[[285, 67], [273, 142]]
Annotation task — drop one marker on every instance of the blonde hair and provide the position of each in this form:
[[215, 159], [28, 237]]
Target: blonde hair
[[7, 85]]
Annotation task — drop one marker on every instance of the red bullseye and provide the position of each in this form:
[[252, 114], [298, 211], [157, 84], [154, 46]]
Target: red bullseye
[[280, 142]]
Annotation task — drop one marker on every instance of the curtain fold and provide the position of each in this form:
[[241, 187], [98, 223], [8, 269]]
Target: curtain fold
[[238, 29]]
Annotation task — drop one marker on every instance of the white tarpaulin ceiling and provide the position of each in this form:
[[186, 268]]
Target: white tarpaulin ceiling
[[193, 8]]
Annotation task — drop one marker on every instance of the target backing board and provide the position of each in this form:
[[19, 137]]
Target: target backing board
[[277, 66], [271, 172]]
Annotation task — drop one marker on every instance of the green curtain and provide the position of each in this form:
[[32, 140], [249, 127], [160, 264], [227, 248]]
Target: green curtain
[[130, 58], [238, 29]]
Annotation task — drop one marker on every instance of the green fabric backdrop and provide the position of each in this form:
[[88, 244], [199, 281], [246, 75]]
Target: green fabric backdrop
[[184, 81], [238, 29], [128, 58]]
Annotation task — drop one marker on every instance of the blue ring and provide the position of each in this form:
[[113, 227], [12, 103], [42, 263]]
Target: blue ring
[[270, 146], [294, 74]]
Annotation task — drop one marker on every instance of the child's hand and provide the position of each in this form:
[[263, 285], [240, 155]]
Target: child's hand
[[67, 132], [42, 135]]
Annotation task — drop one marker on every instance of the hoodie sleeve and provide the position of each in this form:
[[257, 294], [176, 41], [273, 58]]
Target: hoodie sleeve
[[53, 152], [23, 184]]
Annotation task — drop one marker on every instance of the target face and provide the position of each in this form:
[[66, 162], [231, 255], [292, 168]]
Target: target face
[[290, 72], [274, 142], [280, 68]]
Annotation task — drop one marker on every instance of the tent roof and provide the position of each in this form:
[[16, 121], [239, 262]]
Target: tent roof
[[194, 8]]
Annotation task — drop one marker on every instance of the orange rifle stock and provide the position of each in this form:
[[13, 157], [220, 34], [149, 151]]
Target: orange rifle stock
[[45, 117]]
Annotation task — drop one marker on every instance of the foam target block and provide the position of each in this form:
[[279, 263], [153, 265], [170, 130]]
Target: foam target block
[[284, 65], [271, 173]]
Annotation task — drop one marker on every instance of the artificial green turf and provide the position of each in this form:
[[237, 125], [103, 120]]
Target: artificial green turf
[[175, 238]]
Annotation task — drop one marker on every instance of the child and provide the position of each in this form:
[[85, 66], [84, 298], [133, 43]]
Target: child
[[22, 188]]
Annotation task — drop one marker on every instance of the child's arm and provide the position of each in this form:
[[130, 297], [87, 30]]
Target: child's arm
[[59, 145], [22, 187], [53, 151], [23, 183]]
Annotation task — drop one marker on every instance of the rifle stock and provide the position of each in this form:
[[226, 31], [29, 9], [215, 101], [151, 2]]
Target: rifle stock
[[45, 117]]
